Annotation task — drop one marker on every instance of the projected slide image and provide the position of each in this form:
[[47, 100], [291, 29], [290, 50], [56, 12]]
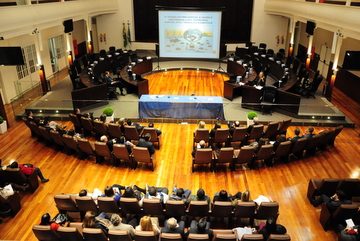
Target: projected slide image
[[189, 34]]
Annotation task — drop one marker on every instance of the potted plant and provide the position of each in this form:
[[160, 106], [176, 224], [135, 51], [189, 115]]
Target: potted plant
[[250, 116], [3, 126], [109, 112]]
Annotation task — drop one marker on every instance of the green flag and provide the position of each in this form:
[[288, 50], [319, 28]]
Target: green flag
[[124, 36], [128, 34]]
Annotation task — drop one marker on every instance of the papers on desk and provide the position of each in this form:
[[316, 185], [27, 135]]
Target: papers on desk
[[210, 99], [176, 98], [259, 87]]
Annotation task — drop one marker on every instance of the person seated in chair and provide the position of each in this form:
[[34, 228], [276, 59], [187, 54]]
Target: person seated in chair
[[201, 144], [309, 132], [213, 130], [158, 132], [201, 227], [110, 143], [138, 127], [271, 228], [144, 142], [27, 169], [173, 226], [114, 83], [256, 122], [117, 223], [180, 194], [155, 193], [200, 196], [296, 137], [260, 79], [332, 202], [232, 126]]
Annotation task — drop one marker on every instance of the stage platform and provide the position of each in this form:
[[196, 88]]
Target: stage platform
[[57, 103]]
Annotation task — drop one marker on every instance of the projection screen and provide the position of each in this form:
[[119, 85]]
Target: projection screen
[[189, 34]]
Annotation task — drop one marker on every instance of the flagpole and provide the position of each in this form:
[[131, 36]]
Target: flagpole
[[129, 34], [124, 36]]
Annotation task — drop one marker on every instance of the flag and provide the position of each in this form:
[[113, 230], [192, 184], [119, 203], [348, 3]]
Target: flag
[[124, 36], [128, 34]]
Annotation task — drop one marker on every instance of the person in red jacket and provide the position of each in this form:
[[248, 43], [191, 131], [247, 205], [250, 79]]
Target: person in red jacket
[[27, 169]]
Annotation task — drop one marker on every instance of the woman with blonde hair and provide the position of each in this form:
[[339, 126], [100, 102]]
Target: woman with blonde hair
[[92, 221], [146, 224]]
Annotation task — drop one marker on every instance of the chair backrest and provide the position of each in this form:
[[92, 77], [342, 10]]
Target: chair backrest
[[86, 203], [119, 235], [15, 175], [130, 206], [269, 94], [224, 237], [268, 210], [94, 234], [350, 186], [244, 155], [141, 154], [100, 127], [45, 133], [344, 211], [85, 146], [279, 237], [201, 134], [75, 120], [145, 236], [198, 237], [35, 128], [252, 237], [55, 135], [198, 209], [239, 134], [221, 209], [336, 133], [170, 237], [87, 124], [114, 130], [65, 203], [152, 132], [45, 233], [175, 208], [327, 186], [299, 145], [131, 133], [69, 234], [221, 135], [271, 129], [284, 125], [153, 207], [203, 156], [226, 155], [245, 210], [256, 132], [108, 205], [283, 149], [265, 152], [70, 142], [313, 141], [120, 151], [102, 149]]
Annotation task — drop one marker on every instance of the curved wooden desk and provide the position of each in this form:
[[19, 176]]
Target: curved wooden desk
[[139, 85]]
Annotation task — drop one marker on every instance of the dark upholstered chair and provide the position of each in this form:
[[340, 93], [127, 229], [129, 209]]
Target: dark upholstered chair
[[325, 186]]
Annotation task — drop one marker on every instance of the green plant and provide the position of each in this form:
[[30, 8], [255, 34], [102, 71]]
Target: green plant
[[1, 119], [252, 115], [108, 111]]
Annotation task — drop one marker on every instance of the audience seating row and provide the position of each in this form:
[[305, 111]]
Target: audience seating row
[[98, 149], [246, 155], [244, 213], [76, 232], [222, 135], [328, 186]]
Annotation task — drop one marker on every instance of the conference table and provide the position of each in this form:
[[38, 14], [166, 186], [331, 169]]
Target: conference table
[[181, 107]]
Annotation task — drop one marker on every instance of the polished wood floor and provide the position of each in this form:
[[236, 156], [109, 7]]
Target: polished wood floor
[[285, 183]]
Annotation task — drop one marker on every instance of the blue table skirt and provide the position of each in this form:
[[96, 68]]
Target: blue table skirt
[[181, 107]]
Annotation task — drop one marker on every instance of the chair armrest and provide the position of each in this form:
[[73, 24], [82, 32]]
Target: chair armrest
[[325, 216], [14, 203], [312, 188], [33, 181]]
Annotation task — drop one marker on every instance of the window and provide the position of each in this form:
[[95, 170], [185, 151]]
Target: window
[[30, 59]]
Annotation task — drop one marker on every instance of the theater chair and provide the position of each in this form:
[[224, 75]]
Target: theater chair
[[11, 205], [45, 233], [343, 212], [15, 175], [325, 186]]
